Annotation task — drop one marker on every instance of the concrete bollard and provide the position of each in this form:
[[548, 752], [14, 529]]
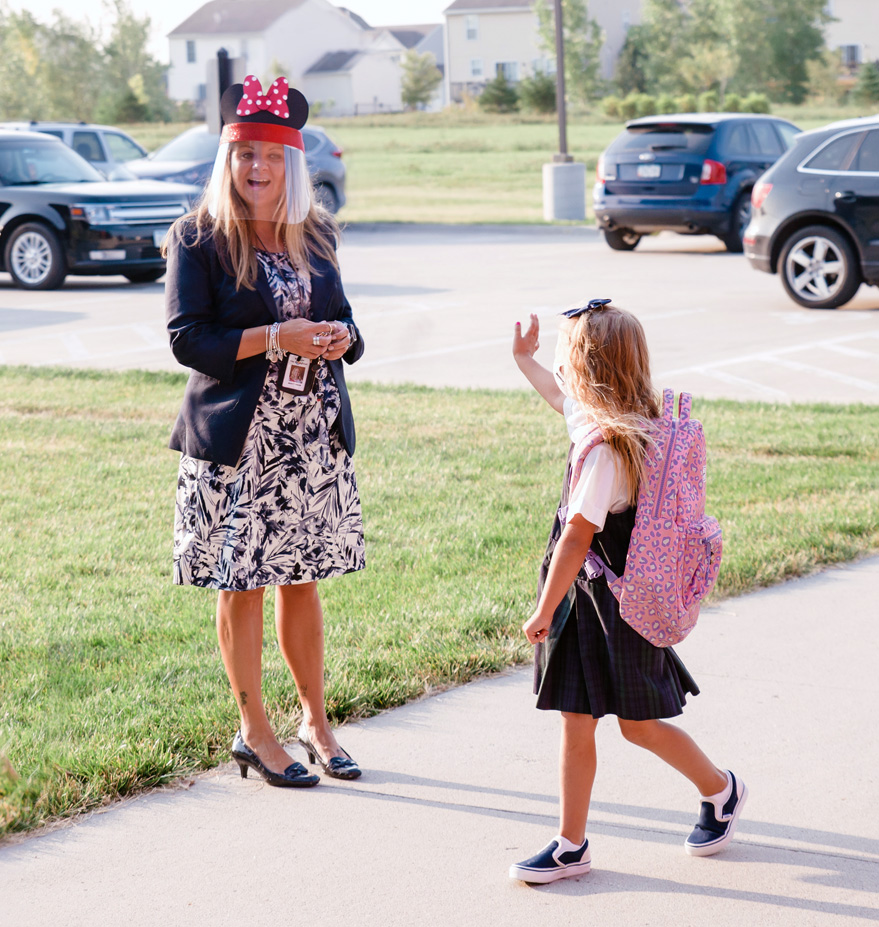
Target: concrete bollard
[[564, 191]]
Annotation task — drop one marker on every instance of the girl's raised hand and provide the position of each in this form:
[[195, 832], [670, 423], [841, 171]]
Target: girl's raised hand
[[526, 344]]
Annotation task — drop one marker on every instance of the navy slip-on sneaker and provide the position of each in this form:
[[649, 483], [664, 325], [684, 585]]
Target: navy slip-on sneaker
[[717, 823], [553, 863]]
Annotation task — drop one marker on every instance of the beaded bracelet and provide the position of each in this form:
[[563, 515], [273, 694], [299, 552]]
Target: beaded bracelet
[[274, 352]]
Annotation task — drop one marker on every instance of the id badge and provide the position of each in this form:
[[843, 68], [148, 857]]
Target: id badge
[[297, 375]]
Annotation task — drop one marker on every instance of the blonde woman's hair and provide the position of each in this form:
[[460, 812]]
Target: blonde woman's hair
[[232, 232], [608, 374]]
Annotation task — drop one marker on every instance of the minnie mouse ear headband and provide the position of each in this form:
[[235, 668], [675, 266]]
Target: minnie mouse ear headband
[[275, 116], [579, 310]]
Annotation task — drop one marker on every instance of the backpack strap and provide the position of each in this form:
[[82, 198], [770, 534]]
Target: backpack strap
[[685, 404], [595, 567], [668, 405], [581, 452]]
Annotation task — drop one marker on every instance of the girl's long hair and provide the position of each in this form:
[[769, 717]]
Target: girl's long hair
[[232, 232], [608, 374]]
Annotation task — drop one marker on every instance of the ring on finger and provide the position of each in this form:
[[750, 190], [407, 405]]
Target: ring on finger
[[316, 341]]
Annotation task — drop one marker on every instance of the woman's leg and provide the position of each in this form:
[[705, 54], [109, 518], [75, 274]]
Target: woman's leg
[[239, 630], [300, 623], [577, 764], [679, 750]]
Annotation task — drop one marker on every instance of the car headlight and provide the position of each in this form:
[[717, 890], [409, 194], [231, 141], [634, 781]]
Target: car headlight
[[91, 213], [194, 175]]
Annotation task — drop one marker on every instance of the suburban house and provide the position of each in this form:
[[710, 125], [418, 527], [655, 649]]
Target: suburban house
[[484, 37], [328, 52], [855, 33]]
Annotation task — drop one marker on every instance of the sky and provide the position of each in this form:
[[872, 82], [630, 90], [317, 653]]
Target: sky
[[166, 14]]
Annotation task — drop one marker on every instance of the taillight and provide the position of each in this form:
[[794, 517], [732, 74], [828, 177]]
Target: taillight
[[337, 152], [599, 169], [759, 194], [713, 172]]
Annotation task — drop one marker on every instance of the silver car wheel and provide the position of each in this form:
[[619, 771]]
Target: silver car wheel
[[815, 269], [31, 258]]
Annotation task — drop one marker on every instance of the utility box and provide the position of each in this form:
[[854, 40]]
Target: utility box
[[564, 191]]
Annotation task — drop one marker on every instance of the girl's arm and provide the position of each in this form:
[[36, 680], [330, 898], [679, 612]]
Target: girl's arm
[[567, 560], [524, 348]]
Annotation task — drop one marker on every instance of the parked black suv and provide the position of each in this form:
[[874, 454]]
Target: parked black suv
[[815, 214], [59, 216], [689, 172]]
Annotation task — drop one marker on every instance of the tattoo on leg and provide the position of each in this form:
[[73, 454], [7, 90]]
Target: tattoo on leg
[[242, 697]]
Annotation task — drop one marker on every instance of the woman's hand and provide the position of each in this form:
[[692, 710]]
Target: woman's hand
[[537, 627], [526, 345], [306, 338], [341, 341]]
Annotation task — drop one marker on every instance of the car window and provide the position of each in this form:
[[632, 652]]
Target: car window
[[310, 140], [56, 132], [42, 162], [739, 141], [121, 148], [788, 133], [767, 140], [867, 158], [835, 156], [88, 146], [664, 136], [190, 146]]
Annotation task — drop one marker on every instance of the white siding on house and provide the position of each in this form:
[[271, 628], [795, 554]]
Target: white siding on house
[[370, 85], [857, 28]]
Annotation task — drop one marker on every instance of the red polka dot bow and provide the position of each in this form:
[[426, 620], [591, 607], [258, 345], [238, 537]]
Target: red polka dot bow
[[274, 100]]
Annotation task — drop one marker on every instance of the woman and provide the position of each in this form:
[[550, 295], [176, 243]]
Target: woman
[[266, 493]]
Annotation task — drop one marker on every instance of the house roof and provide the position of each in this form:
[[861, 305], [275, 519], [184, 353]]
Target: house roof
[[357, 19], [469, 6], [335, 61], [239, 16], [410, 36]]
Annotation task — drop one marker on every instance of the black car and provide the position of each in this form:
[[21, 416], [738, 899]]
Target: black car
[[689, 172], [189, 158], [815, 219], [58, 216]]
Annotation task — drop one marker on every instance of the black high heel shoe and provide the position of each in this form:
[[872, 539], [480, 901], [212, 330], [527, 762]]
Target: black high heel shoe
[[294, 776], [339, 767]]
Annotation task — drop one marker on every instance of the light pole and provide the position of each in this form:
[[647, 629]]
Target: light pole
[[560, 107]]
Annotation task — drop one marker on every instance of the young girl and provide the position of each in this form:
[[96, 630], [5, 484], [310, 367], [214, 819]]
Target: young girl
[[588, 661]]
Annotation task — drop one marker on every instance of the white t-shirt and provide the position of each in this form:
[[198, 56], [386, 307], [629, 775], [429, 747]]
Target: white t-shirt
[[602, 486]]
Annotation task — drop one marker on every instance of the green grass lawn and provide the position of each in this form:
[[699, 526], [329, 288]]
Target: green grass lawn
[[110, 679], [460, 167]]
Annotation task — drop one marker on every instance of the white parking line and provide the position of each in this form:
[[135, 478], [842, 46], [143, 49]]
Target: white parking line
[[826, 374], [64, 303], [733, 380], [150, 336], [436, 352], [74, 346], [852, 352]]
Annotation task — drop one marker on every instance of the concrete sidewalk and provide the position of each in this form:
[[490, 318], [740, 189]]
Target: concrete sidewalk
[[460, 785]]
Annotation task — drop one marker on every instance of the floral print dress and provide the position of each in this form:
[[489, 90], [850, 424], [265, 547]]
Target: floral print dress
[[289, 512]]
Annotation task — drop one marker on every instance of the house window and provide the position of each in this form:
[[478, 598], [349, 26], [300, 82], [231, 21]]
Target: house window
[[243, 51], [543, 66], [510, 70], [472, 25], [190, 51], [476, 67], [851, 56]]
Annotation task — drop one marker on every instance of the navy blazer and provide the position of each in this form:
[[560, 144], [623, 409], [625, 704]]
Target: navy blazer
[[206, 315]]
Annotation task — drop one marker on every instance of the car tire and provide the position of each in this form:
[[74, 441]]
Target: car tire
[[326, 196], [145, 276], [34, 257], [819, 268], [622, 239], [739, 217]]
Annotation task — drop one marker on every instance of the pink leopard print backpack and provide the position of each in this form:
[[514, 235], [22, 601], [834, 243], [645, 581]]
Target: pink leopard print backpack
[[675, 550]]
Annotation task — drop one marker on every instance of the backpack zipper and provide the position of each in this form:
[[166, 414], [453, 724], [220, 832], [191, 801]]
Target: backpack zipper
[[665, 466]]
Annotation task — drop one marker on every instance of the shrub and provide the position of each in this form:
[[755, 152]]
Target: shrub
[[708, 102], [498, 96], [666, 103], [732, 103], [611, 107], [686, 103], [645, 105], [756, 103], [629, 106], [867, 87], [537, 93]]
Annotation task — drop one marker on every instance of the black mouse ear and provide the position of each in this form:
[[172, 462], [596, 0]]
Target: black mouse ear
[[298, 106]]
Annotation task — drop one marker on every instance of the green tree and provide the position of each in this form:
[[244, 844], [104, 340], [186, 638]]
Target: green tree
[[498, 96], [420, 78], [582, 40], [629, 76], [538, 93], [867, 88]]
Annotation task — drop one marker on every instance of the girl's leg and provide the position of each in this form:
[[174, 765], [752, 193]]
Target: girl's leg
[[679, 750], [577, 764], [300, 623], [239, 630]]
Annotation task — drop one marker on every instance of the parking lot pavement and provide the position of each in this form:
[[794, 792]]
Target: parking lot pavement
[[437, 305]]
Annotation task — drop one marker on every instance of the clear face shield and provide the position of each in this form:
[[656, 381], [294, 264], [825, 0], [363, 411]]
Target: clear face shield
[[260, 172]]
